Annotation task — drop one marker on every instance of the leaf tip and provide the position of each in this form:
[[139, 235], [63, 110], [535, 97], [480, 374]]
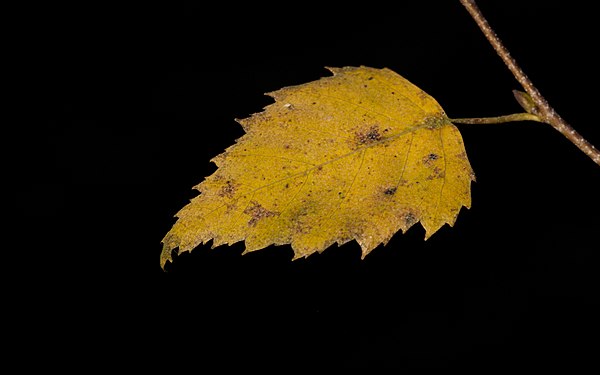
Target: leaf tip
[[169, 246], [165, 256], [297, 256]]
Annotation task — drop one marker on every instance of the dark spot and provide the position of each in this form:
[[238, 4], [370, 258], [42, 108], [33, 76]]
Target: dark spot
[[371, 135], [393, 93], [370, 78], [437, 173], [287, 186], [365, 85], [300, 223], [286, 146], [390, 190], [228, 190], [257, 212], [429, 159]]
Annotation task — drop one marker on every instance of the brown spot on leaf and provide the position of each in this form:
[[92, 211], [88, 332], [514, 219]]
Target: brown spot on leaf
[[390, 190], [300, 224], [257, 212], [228, 190], [300, 221], [430, 158], [437, 173], [368, 136]]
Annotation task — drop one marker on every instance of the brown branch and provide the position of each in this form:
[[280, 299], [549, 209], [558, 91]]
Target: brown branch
[[543, 110]]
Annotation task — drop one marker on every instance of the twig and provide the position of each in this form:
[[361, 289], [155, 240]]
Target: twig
[[542, 109]]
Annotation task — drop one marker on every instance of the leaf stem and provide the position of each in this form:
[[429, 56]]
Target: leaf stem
[[544, 111], [497, 120]]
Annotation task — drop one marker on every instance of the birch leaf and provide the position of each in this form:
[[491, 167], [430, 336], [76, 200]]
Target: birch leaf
[[357, 155]]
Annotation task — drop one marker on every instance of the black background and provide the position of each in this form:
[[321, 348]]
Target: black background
[[132, 102]]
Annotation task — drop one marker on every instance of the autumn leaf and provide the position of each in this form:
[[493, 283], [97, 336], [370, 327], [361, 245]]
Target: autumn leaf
[[358, 155]]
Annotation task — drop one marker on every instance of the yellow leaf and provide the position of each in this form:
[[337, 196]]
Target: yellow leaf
[[358, 155]]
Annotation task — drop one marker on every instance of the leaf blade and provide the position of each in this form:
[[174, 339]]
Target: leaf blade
[[358, 155]]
